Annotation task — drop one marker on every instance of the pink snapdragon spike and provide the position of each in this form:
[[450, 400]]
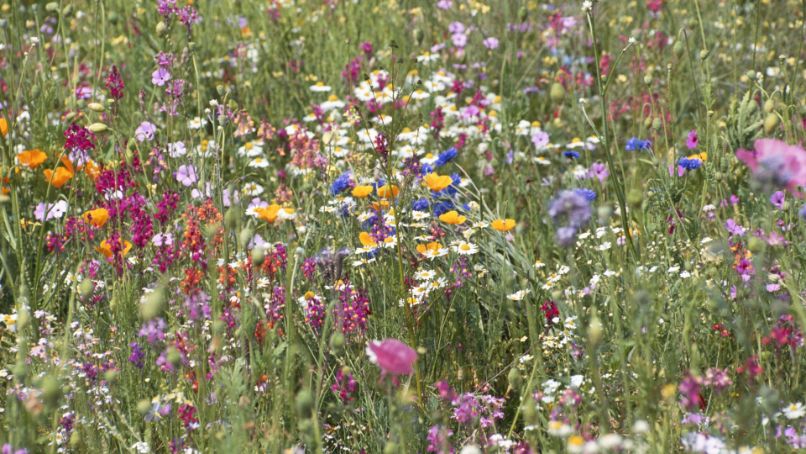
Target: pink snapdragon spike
[[392, 356], [778, 161]]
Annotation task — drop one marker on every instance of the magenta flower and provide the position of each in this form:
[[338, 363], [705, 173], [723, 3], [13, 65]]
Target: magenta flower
[[692, 141], [392, 356], [777, 200], [776, 162]]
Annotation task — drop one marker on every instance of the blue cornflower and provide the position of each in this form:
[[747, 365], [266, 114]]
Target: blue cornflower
[[571, 154], [420, 205], [442, 207], [689, 163], [446, 156], [589, 194], [342, 183], [637, 144], [425, 169]]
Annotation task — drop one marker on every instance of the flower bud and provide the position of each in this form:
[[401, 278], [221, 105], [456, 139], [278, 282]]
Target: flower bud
[[161, 27], [556, 92], [85, 288], [514, 378], [770, 122], [258, 255], [152, 304], [96, 107], [97, 127], [304, 402]]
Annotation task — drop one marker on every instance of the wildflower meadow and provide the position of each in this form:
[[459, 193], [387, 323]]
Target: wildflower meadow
[[402, 226]]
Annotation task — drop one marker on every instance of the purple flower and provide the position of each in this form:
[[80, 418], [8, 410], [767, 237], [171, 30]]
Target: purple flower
[[186, 174], [692, 141], [160, 76], [777, 200], [153, 330], [802, 212], [145, 131], [491, 43], [444, 4], [392, 356]]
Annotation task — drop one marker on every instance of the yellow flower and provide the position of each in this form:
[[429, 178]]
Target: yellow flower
[[32, 158], [452, 217], [105, 248], [503, 225], [388, 191], [436, 182], [360, 192], [97, 217], [3, 127]]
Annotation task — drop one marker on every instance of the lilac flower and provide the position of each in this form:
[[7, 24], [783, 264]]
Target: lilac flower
[[145, 131], [392, 356], [47, 211], [599, 171], [444, 4], [777, 200], [186, 174], [160, 76], [802, 212], [459, 40], [163, 239], [456, 27], [540, 139], [733, 228], [137, 356], [571, 211], [176, 149], [153, 330], [491, 43]]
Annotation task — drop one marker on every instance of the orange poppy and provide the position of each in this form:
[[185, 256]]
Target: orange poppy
[[32, 158], [367, 240], [96, 217], [3, 127], [432, 246], [360, 192], [452, 217], [105, 248], [273, 212], [436, 182], [61, 175], [388, 191], [503, 225]]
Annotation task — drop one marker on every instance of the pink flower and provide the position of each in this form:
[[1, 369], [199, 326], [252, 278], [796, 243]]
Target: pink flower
[[392, 356], [692, 141], [776, 162]]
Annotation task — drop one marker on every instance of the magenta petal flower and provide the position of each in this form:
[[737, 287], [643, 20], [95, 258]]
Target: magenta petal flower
[[692, 140], [186, 174], [160, 76], [776, 161], [392, 356]]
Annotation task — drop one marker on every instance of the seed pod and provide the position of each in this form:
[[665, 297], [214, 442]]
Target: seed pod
[[161, 27], [515, 379], [231, 217], [97, 127], [337, 342], [769, 105], [770, 122], [85, 288], [258, 256], [678, 48], [595, 330], [556, 92], [152, 304], [96, 107], [52, 6], [244, 237], [304, 402]]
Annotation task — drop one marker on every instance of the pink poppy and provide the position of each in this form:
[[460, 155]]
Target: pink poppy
[[778, 162], [392, 356]]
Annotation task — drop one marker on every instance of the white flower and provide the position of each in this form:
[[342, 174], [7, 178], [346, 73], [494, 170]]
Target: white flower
[[794, 411], [587, 5], [519, 295], [465, 248], [259, 163], [320, 87], [425, 275]]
